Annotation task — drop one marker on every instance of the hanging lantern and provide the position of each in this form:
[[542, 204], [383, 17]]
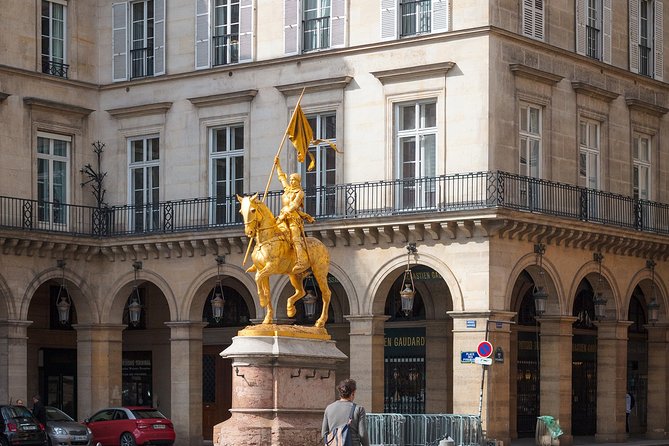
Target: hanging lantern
[[539, 293], [218, 299], [653, 306], [63, 303], [135, 305], [309, 302], [408, 287], [600, 306]]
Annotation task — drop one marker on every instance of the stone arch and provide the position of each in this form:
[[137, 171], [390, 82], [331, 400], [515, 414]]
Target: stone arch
[[78, 288], [557, 301], [643, 279], [7, 301], [591, 268]]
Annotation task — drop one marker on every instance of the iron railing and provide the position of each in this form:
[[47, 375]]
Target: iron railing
[[428, 429], [141, 62], [316, 33], [54, 68], [226, 49], [458, 192], [416, 17]]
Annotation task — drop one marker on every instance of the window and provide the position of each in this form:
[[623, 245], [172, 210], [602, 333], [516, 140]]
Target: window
[[415, 142], [646, 32], [226, 154], [593, 29], [406, 18], [53, 39], [53, 163], [223, 32], [589, 154], [533, 19], [311, 25], [138, 42], [530, 140], [641, 149], [145, 183], [319, 182]]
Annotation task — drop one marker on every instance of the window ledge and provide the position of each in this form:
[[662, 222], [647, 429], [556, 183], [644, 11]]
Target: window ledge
[[412, 73], [223, 99], [140, 110], [646, 107], [57, 106], [535, 74], [333, 83], [594, 92]]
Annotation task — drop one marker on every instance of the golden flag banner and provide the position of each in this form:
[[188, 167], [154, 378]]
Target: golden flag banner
[[300, 133]]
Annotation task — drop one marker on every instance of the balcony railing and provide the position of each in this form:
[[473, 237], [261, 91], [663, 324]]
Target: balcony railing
[[141, 62], [459, 192], [54, 68], [226, 49]]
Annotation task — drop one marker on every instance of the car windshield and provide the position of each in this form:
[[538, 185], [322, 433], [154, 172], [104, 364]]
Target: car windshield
[[147, 413], [16, 412], [53, 414]]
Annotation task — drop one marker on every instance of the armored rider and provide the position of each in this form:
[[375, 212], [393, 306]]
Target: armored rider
[[291, 218]]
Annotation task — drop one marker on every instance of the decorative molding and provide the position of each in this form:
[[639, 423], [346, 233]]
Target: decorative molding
[[57, 106], [412, 73], [646, 107], [534, 74], [333, 83], [140, 110], [224, 99], [594, 92]]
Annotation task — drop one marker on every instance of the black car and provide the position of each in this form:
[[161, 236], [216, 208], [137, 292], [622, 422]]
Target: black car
[[18, 427]]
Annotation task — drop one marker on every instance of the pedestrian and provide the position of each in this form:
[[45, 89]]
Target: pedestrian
[[39, 412], [19, 402], [629, 404], [338, 413]]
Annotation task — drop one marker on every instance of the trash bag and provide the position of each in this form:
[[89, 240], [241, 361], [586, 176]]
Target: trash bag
[[552, 426]]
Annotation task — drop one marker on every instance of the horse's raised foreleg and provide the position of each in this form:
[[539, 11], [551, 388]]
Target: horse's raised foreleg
[[262, 282], [322, 279], [296, 281]]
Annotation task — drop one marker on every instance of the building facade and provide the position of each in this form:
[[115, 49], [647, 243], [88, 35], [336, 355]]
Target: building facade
[[520, 145]]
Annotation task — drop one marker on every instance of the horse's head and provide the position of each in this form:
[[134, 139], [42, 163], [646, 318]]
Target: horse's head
[[250, 214]]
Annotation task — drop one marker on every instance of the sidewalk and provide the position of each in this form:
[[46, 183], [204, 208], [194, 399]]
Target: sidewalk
[[590, 441]]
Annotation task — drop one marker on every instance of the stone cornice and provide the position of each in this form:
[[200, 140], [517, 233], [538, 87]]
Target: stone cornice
[[534, 74], [57, 106], [140, 110], [413, 72], [333, 83], [646, 107], [224, 99], [594, 92]]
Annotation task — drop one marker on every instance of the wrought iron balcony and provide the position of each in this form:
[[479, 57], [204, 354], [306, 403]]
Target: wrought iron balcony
[[378, 199], [226, 49], [54, 68]]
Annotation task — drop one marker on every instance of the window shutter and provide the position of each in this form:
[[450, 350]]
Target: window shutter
[[338, 25], [440, 16], [246, 31], [388, 19], [659, 41], [159, 37], [634, 35], [290, 26], [539, 19], [581, 21], [533, 19], [119, 42], [606, 28], [202, 53]]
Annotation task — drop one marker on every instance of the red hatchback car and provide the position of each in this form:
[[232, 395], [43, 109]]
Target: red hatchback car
[[131, 426]]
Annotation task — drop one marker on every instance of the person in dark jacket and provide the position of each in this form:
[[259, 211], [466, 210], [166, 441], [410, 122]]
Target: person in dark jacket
[[39, 412], [338, 412]]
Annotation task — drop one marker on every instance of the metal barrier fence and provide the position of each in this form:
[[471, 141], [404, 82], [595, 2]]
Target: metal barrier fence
[[390, 429]]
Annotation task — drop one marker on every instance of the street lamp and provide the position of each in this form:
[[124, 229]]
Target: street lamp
[[599, 300], [309, 300], [134, 305], [63, 303], [408, 288], [653, 306], [539, 293], [218, 299]]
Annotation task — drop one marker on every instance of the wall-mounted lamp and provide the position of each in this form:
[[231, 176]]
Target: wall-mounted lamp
[[653, 306], [599, 300], [218, 299], [309, 300], [539, 293], [408, 287], [135, 305], [63, 303]]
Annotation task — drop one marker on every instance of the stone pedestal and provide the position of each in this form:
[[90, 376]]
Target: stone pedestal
[[280, 388]]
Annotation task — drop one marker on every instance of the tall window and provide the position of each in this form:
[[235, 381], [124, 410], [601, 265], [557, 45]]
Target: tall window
[[145, 183], [320, 195], [533, 19], [646, 37], [141, 38], [589, 146], [415, 17], [226, 32], [53, 39], [646, 30], [53, 159], [316, 24], [416, 140], [641, 148], [404, 18], [594, 28], [226, 154], [530, 140]]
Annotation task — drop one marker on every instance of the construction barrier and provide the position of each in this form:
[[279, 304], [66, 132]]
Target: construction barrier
[[386, 429]]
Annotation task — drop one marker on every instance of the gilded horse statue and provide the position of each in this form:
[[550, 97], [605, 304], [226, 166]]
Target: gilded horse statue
[[274, 254]]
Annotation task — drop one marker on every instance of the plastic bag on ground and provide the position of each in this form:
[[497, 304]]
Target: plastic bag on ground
[[552, 426]]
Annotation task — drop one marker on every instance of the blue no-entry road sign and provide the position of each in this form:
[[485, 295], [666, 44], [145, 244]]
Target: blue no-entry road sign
[[484, 349]]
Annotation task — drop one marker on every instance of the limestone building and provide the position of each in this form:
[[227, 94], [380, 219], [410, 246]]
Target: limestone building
[[520, 145]]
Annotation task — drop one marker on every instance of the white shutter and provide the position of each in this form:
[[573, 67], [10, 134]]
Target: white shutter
[[533, 19], [158, 37], [202, 53], [388, 19], [246, 30], [581, 22], [606, 28], [539, 19], [634, 35], [290, 26], [658, 46], [440, 9], [119, 42], [338, 24]]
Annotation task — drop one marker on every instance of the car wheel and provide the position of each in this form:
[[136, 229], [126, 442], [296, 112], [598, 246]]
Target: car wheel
[[127, 439]]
